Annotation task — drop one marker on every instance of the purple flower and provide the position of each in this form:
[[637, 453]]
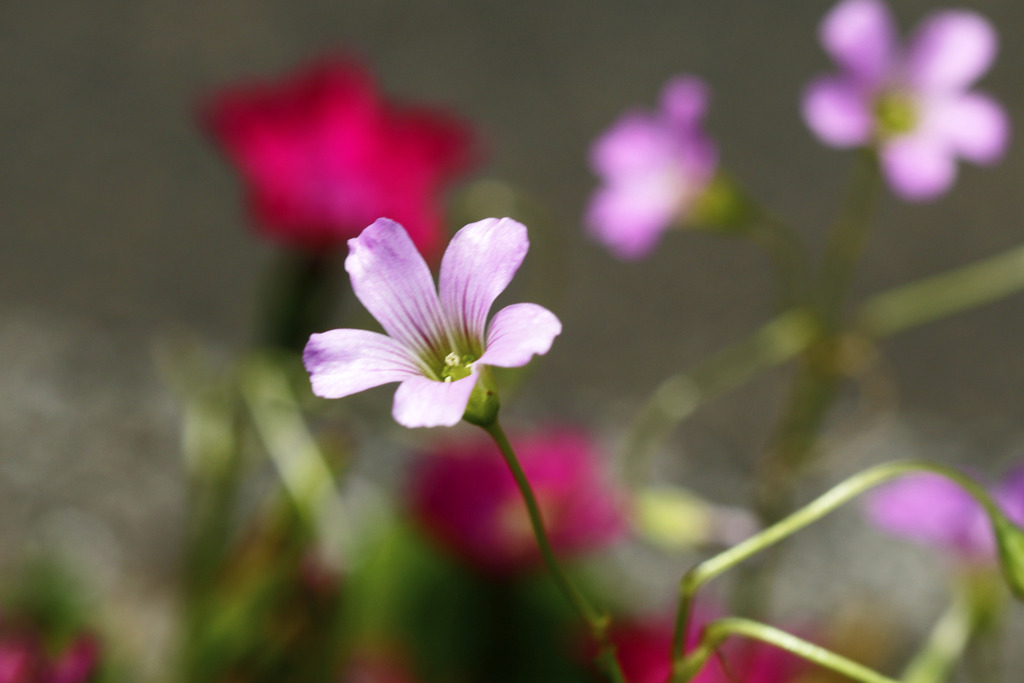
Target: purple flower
[[934, 510], [654, 166], [435, 346], [912, 103]]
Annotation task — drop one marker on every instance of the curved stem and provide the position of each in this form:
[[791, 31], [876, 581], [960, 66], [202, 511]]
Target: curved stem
[[831, 500], [788, 256], [596, 621], [719, 630]]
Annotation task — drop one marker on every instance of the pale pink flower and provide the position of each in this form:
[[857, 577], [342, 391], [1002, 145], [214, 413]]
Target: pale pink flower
[[913, 103], [435, 346]]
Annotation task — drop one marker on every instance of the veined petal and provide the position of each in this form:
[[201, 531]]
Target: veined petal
[[975, 126], [423, 402], [477, 266], [918, 168], [861, 36], [517, 333], [837, 110], [345, 362], [950, 49], [391, 279]]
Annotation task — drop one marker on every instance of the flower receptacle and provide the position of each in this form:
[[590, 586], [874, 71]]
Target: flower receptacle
[[483, 405]]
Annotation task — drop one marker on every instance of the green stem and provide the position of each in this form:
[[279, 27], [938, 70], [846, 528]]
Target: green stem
[[597, 622], [848, 237], [941, 295], [788, 256], [837, 496], [680, 395], [945, 646], [719, 630]]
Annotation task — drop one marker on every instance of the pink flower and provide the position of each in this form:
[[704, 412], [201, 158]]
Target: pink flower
[[435, 346], [24, 658], [465, 497], [654, 166], [934, 510], [644, 649], [322, 155], [913, 103]]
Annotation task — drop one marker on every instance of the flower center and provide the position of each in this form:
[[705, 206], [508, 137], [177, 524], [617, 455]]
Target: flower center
[[456, 366], [896, 113]]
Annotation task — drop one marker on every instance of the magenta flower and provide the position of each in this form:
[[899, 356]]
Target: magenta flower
[[465, 498], [654, 166], [323, 154], [435, 346], [644, 650], [932, 509], [913, 103]]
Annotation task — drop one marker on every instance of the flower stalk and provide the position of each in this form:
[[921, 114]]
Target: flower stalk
[[1010, 538], [596, 621]]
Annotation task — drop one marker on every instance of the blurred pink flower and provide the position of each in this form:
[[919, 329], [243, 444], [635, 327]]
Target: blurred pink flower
[[323, 155], [24, 658], [436, 344], [934, 510], [465, 497], [644, 649], [654, 166], [913, 103]]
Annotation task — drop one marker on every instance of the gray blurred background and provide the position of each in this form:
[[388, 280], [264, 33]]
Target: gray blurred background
[[122, 225]]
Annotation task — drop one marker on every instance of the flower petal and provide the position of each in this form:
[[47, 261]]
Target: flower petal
[[932, 509], [684, 100], [950, 49], [393, 282], [975, 126], [838, 111], [423, 402], [345, 362], [630, 215], [861, 36], [477, 266], [517, 333], [918, 168], [634, 144]]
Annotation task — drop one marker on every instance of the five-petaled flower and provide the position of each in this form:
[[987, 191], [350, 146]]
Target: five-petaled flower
[[913, 103], [934, 510], [655, 166], [435, 346], [465, 498], [323, 155]]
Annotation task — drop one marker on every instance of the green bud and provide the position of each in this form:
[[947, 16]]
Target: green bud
[[483, 405], [1010, 539], [722, 207]]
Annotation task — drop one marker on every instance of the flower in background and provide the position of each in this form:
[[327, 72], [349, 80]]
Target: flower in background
[[435, 345], [912, 103], [465, 497], [644, 649], [322, 155], [654, 167], [25, 658], [934, 510]]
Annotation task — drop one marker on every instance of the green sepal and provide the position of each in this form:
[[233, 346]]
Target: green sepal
[[483, 405], [1010, 539]]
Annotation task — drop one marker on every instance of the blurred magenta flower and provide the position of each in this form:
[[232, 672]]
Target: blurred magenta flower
[[934, 510], [323, 155], [465, 497], [644, 649], [912, 103], [25, 658], [654, 167], [435, 345]]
